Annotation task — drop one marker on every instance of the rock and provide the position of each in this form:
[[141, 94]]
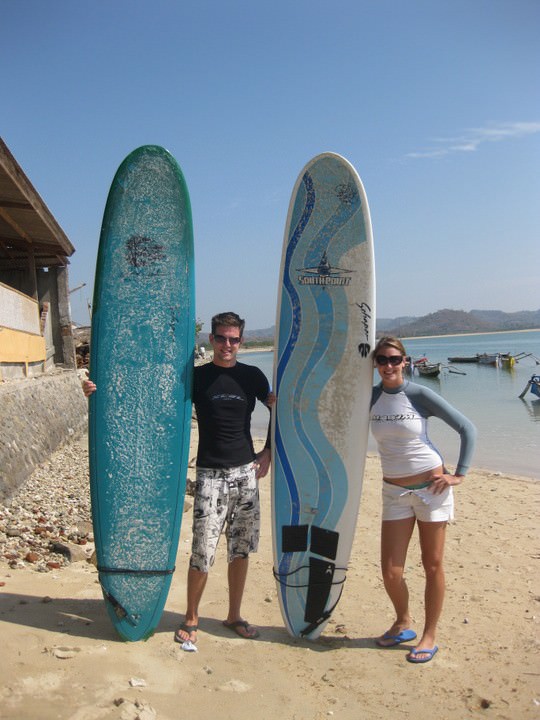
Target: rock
[[74, 553], [137, 682], [52, 505], [64, 653]]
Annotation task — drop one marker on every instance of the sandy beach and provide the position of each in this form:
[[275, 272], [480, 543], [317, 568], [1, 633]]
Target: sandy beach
[[61, 658]]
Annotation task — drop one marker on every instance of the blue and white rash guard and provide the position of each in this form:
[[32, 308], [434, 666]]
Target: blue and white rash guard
[[399, 425]]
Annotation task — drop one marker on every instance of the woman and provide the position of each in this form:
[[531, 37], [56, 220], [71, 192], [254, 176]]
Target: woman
[[417, 488]]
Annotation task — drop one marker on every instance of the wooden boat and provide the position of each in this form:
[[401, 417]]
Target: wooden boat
[[411, 363], [427, 369], [507, 359], [489, 359]]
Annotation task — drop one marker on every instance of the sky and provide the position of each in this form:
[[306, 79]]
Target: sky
[[436, 103]]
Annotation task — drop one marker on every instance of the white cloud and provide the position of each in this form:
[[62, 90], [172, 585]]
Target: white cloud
[[472, 138]]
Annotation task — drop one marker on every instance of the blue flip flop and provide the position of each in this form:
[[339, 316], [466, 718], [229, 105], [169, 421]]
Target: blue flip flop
[[411, 657], [403, 636]]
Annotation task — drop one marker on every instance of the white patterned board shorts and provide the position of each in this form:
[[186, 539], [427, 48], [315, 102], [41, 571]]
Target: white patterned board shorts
[[225, 496], [400, 503]]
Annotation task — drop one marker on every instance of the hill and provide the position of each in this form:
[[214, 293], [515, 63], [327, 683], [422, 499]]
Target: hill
[[522, 320], [450, 322], [442, 322]]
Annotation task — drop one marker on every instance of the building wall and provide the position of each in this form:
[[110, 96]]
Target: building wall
[[36, 417], [49, 339], [21, 354], [22, 346], [18, 311]]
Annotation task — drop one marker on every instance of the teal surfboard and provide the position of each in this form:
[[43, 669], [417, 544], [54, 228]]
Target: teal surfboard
[[142, 351], [323, 372]]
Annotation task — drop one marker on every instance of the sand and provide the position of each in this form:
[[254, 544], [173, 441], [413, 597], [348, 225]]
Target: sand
[[61, 658]]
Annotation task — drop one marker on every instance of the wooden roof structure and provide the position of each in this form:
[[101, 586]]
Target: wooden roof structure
[[29, 234]]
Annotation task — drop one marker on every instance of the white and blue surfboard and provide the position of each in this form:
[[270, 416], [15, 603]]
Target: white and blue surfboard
[[323, 373]]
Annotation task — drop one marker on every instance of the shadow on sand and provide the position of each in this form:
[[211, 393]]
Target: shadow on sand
[[87, 618]]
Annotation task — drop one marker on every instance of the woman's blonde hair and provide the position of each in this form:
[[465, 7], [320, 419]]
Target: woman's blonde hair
[[389, 341]]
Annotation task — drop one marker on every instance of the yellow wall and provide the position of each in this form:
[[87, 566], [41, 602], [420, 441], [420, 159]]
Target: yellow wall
[[21, 347]]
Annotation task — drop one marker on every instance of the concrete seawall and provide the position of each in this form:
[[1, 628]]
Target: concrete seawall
[[37, 416]]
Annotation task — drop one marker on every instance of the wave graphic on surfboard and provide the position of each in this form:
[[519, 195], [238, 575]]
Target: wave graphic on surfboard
[[317, 319]]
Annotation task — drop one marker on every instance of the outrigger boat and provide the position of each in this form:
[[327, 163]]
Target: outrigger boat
[[505, 359], [489, 359], [428, 369]]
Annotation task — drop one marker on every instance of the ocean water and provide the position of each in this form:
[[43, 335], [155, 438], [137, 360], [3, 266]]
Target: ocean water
[[508, 428]]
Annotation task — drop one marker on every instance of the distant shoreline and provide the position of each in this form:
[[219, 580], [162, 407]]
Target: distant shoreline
[[471, 334], [256, 348]]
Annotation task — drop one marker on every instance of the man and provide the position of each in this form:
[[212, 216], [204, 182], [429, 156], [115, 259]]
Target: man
[[226, 492]]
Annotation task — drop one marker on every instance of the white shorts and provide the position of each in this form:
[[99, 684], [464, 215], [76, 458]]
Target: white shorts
[[400, 503], [231, 497]]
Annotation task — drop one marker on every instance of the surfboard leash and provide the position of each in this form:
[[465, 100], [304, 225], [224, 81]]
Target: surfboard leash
[[325, 615], [119, 610], [279, 577], [131, 571], [318, 592]]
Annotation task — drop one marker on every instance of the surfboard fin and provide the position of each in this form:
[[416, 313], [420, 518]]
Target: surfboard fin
[[321, 575], [314, 619]]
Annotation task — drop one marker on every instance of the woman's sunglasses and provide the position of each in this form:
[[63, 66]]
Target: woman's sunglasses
[[393, 360]]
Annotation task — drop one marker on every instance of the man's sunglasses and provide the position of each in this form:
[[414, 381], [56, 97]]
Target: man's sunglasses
[[221, 339], [393, 360]]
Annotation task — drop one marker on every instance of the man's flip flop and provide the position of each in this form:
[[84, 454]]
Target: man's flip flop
[[187, 629], [411, 657], [235, 627], [403, 636]]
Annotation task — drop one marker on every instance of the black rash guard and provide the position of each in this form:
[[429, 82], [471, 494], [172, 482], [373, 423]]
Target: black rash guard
[[225, 399]]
